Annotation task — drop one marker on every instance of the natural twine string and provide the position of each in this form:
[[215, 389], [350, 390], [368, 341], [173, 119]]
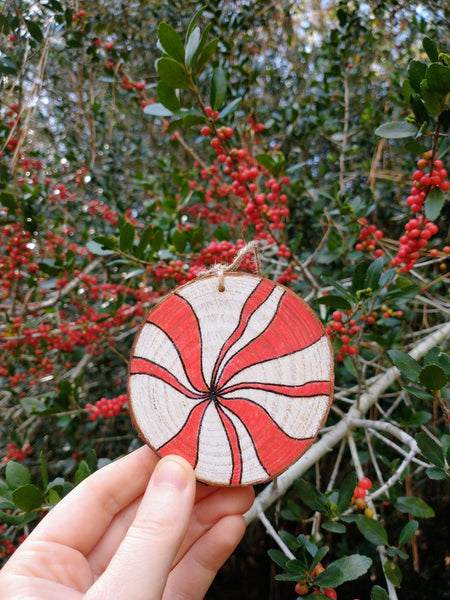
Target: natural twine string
[[220, 269]]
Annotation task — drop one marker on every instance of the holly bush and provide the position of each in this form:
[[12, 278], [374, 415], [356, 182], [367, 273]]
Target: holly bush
[[142, 143]]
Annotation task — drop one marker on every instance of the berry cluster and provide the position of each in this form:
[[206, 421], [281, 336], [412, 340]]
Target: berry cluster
[[17, 454], [364, 484], [304, 587], [346, 329], [107, 408], [6, 545], [369, 237], [419, 230]]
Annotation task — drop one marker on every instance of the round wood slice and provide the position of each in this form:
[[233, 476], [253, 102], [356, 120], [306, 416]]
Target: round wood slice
[[238, 382]]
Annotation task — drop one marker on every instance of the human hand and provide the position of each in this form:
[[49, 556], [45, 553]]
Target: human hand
[[137, 529]]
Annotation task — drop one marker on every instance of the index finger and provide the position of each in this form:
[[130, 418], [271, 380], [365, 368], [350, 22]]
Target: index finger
[[82, 517]]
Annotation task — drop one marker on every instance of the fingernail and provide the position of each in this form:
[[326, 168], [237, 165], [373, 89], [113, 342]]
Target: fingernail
[[170, 472]]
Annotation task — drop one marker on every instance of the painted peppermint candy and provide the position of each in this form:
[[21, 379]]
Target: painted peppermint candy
[[238, 382]]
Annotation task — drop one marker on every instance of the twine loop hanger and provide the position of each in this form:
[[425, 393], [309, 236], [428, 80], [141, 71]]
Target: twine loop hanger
[[219, 270]]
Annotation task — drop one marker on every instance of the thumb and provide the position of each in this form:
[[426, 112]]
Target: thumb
[[142, 563]]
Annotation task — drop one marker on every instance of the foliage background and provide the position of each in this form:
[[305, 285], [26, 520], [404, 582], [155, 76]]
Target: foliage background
[[81, 161]]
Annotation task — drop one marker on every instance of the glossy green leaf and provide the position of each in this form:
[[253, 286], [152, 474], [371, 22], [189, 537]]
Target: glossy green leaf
[[331, 577], [144, 241], [278, 557], [407, 532], [351, 567], [416, 73], [396, 130], [167, 97], [372, 530], [438, 78], [430, 449], [27, 497], [374, 273], [157, 239], [172, 73], [436, 474], [414, 506], [192, 46], [409, 368], [34, 30], [436, 356], [194, 119], [16, 475], [346, 491], [8, 200], [334, 527], [230, 108], [218, 88], [431, 49], [98, 249], [83, 471], [32, 405], [157, 109], [179, 240], [193, 23], [171, 42], [378, 593], [434, 203], [393, 572], [433, 377], [334, 301], [126, 237], [202, 57], [310, 496], [431, 98]]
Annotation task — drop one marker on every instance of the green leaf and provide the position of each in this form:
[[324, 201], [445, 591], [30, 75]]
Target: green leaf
[[108, 243], [430, 449], [414, 506], [172, 73], [266, 161], [393, 572], [434, 203], [372, 530], [17, 520], [34, 30], [8, 200], [192, 46], [97, 249], [433, 377], [432, 99], [378, 593], [416, 73], [27, 497], [16, 475], [157, 239], [145, 240], [419, 393], [331, 577], [346, 491], [320, 555], [126, 237], [205, 54], [334, 527], [435, 356], [310, 496], [407, 532], [431, 49], [171, 42], [408, 367], [396, 552], [218, 88], [438, 77], [436, 474], [278, 557], [396, 130], [179, 240], [374, 273], [230, 108], [334, 301], [167, 97], [193, 22], [351, 567], [193, 119], [82, 472], [32, 405], [91, 460], [416, 419], [157, 109]]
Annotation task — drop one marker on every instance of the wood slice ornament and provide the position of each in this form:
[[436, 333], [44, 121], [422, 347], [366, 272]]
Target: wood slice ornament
[[238, 382]]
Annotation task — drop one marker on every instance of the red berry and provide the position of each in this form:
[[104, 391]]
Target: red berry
[[206, 131], [365, 483], [337, 315]]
